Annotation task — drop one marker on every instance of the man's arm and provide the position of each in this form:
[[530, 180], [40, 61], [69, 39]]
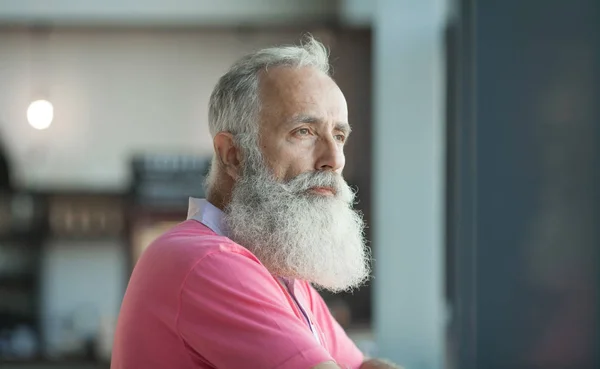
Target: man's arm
[[342, 348], [369, 364], [327, 365]]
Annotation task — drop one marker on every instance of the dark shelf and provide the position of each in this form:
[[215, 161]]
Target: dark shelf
[[62, 364], [29, 238], [22, 281]]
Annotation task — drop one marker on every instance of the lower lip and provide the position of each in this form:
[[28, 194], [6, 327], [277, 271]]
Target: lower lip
[[322, 191]]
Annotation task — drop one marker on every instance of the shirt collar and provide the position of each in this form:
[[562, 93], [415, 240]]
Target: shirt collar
[[214, 218], [206, 213]]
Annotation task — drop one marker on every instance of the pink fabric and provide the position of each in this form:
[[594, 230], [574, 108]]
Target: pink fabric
[[199, 300]]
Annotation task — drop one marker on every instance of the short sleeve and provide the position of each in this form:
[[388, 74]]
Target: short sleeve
[[234, 315], [341, 347]]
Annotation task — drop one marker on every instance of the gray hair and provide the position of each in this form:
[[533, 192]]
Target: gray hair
[[234, 104]]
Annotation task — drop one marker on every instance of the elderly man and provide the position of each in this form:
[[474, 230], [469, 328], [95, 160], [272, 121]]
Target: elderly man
[[230, 288]]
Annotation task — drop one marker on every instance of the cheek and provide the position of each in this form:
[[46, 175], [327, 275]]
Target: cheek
[[299, 166], [287, 167], [343, 159], [279, 165], [286, 160]]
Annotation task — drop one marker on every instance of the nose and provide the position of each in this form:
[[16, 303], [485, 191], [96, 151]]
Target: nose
[[330, 155]]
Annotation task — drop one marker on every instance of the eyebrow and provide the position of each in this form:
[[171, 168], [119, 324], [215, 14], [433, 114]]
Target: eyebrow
[[309, 119]]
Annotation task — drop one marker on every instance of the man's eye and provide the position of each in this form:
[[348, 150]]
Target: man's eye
[[341, 138], [303, 131]]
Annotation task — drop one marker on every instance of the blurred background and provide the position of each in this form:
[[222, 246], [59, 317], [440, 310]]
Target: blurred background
[[476, 151]]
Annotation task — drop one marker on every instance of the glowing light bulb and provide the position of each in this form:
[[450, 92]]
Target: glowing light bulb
[[40, 114]]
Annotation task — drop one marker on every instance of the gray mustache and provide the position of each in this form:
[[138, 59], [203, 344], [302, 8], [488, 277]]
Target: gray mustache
[[306, 181]]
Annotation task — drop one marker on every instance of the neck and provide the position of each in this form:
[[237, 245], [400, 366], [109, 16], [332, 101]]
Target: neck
[[220, 194], [217, 200]]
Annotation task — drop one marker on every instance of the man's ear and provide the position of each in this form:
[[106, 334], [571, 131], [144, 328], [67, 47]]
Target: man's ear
[[228, 155]]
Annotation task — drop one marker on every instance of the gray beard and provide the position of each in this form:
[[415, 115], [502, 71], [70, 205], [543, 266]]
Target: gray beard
[[299, 234]]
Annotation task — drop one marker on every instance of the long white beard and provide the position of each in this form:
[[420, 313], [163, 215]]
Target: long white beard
[[299, 234]]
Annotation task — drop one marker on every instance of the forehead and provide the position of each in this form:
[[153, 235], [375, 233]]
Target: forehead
[[286, 92]]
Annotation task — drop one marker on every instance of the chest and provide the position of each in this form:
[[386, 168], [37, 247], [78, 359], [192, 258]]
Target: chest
[[299, 301]]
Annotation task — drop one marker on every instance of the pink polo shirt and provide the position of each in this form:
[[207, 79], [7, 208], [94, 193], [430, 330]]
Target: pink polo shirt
[[198, 300]]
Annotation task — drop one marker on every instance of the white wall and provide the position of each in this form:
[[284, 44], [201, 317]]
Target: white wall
[[121, 92], [115, 93], [186, 12], [408, 181], [172, 12]]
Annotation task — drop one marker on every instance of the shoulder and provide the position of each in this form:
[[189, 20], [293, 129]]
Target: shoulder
[[189, 246], [191, 241]]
